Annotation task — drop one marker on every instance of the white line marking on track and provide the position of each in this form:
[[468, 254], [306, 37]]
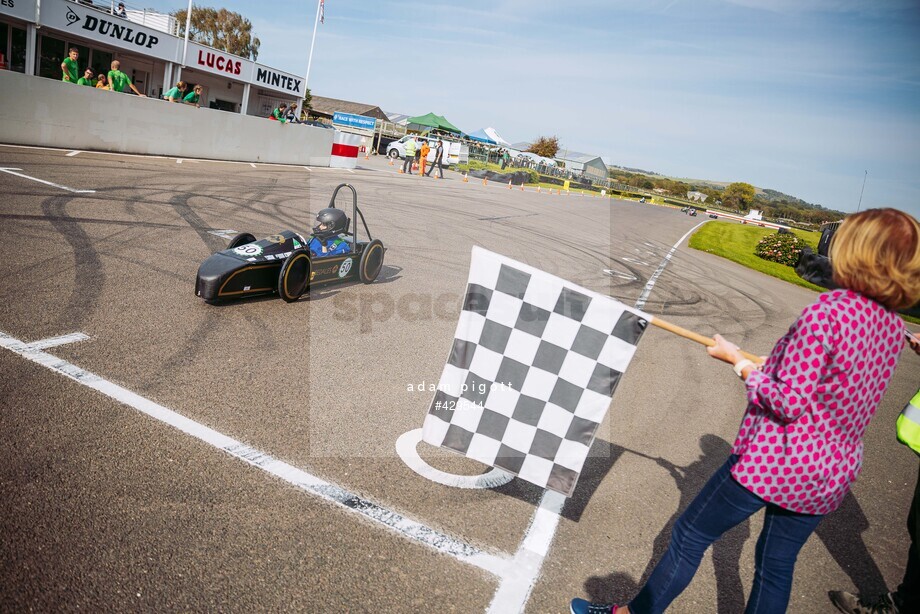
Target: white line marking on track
[[146, 156], [516, 586], [613, 273], [53, 185], [492, 563], [73, 153], [224, 234], [51, 342], [252, 165], [640, 303], [406, 448]]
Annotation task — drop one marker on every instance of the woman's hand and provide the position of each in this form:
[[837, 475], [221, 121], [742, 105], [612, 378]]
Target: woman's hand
[[914, 342], [725, 351]]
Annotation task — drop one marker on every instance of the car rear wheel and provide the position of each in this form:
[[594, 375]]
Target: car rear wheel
[[393, 153], [294, 276], [243, 238], [371, 261]]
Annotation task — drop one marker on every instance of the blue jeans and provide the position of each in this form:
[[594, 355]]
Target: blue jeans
[[722, 504]]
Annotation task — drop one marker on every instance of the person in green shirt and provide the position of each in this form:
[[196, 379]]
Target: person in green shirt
[[194, 96], [87, 78], [118, 80], [69, 66], [278, 113], [177, 93]]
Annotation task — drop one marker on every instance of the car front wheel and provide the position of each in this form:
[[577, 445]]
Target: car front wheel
[[393, 154], [294, 276]]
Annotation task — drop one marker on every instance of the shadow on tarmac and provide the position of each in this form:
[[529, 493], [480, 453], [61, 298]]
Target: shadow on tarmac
[[726, 552], [840, 532]]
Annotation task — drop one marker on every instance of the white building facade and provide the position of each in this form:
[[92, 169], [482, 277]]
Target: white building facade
[[35, 38]]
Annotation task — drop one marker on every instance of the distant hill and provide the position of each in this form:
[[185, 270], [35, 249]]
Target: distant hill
[[775, 204]]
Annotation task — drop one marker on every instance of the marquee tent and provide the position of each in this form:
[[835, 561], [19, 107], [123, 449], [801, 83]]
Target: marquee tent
[[430, 120], [482, 137]]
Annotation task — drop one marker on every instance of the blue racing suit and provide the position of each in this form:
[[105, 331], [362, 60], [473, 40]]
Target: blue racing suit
[[334, 246]]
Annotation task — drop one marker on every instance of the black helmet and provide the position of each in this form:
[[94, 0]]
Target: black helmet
[[330, 222]]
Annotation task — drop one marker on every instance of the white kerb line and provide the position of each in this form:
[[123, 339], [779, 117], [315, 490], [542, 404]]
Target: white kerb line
[[73, 153], [640, 303], [11, 171], [492, 563]]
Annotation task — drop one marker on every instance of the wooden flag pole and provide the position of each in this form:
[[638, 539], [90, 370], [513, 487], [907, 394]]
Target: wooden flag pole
[[687, 334]]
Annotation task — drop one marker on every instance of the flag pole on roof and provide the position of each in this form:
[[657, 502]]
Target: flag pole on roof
[[188, 25], [320, 18]]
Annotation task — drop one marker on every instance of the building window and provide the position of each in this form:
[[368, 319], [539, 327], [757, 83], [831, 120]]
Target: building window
[[17, 57], [12, 48], [101, 61], [4, 45], [51, 54]]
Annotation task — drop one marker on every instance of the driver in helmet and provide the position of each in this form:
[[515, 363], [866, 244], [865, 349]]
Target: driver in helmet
[[327, 239]]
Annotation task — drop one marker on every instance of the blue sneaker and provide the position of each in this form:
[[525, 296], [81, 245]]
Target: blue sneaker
[[580, 606]]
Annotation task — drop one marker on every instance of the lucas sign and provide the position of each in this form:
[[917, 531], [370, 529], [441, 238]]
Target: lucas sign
[[218, 62]]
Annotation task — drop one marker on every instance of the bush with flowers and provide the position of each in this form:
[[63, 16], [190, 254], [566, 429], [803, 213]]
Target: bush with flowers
[[781, 248]]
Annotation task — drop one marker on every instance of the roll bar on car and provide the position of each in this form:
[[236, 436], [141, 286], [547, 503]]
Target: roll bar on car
[[355, 211]]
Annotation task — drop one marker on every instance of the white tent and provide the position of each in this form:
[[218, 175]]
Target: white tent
[[491, 132], [539, 159]]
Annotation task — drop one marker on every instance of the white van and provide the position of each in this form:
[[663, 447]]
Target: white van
[[453, 152]]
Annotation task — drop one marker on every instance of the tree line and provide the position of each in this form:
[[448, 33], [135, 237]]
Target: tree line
[[739, 196]]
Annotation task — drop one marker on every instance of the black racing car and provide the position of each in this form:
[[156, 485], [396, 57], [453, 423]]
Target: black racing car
[[282, 263]]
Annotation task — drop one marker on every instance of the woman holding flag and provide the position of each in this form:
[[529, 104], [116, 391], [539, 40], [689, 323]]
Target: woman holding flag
[[799, 448]]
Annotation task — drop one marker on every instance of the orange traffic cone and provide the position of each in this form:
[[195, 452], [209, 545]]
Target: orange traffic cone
[[538, 188], [401, 171], [466, 177], [391, 161], [522, 187], [485, 181], [509, 184]]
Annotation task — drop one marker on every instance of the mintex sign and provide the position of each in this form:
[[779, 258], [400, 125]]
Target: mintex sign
[[277, 80], [21, 9], [108, 29], [217, 62]]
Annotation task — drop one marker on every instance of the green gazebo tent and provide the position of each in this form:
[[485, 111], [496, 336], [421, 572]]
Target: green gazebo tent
[[430, 120]]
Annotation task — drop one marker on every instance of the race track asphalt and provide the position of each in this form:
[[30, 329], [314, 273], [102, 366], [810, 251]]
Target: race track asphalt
[[103, 508]]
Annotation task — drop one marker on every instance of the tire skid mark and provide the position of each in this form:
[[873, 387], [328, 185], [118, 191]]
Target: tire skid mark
[[179, 202], [89, 274]]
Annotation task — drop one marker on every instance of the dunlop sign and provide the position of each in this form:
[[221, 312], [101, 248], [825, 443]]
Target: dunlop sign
[[108, 29]]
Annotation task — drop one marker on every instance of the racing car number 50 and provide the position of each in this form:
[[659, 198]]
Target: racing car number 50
[[248, 250]]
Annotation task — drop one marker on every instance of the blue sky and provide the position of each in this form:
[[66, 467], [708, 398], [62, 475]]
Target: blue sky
[[801, 96]]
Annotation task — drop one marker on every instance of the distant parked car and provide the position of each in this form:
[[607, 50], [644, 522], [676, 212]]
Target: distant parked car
[[684, 209], [714, 216], [691, 212]]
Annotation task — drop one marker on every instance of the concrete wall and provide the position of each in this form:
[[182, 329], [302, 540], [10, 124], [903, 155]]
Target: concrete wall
[[37, 111]]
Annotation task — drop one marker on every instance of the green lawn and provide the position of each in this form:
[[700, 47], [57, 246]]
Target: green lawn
[[736, 242]]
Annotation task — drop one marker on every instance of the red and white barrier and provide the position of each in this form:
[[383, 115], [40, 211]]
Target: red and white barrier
[[345, 148]]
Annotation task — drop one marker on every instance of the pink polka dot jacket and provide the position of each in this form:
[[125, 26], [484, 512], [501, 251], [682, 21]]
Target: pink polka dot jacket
[[800, 443]]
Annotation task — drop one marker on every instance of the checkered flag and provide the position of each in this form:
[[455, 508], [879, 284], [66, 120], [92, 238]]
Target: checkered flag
[[529, 379]]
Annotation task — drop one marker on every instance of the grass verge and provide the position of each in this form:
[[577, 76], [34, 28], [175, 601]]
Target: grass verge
[[736, 242]]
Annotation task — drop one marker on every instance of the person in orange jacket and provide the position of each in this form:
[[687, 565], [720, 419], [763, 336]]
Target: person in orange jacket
[[423, 157]]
